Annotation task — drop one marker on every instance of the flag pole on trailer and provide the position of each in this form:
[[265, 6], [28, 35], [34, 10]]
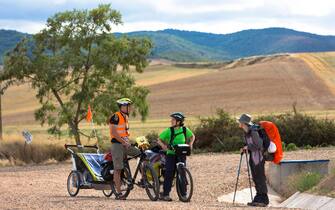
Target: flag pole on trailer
[[89, 118]]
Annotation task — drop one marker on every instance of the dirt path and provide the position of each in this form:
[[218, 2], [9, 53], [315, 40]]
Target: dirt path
[[44, 187]]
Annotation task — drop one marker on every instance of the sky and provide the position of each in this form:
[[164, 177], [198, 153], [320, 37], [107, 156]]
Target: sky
[[214, 16]]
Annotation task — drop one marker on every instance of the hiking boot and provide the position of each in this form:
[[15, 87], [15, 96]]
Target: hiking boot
[[164, 197], [119, 196], [257, 204], [141, 183], [260, 200]]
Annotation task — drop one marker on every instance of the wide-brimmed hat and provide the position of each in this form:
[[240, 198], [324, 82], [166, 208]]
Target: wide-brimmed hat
[[245, 118]]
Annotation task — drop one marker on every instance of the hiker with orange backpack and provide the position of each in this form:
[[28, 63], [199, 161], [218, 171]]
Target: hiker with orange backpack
[[261, 146]]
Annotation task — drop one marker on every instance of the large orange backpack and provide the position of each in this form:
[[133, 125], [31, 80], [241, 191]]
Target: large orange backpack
[[274, 136]]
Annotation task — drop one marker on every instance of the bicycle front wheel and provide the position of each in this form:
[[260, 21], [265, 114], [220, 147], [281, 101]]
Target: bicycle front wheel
[[184, 184], [126, 183], [151, 182], [108, 193]]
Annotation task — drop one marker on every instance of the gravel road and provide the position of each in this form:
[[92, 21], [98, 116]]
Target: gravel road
[[44, 186]]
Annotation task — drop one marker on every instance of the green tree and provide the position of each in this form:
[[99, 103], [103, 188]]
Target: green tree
[[76, 61]]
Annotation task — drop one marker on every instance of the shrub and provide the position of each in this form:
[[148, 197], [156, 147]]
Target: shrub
[[291, 147], [220, 133], [17, 152], [302, 129], [307, 181], [308, 147], [152, 136], [301, 182]]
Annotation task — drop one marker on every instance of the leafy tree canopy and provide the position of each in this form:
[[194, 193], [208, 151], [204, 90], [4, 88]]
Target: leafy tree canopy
[[76, 61]]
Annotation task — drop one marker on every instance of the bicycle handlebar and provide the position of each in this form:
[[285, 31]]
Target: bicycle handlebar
[[81, 146]]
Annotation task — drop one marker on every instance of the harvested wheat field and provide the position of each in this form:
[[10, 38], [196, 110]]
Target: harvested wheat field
[[44, 187], [258, 85]]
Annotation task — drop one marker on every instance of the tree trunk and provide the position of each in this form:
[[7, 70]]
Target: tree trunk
[[73, 125], [77, 138], [74, 128]]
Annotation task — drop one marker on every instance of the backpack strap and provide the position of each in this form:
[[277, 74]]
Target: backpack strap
[[173, 135], [184, 131], [264, 136]]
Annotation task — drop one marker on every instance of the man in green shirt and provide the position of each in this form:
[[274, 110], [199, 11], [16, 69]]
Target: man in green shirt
[[182, 135]]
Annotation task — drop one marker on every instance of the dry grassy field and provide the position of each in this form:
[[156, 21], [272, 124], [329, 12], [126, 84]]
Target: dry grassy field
[[261, 87], [323, 64], [44, 186], [19, 102], [258, 85]]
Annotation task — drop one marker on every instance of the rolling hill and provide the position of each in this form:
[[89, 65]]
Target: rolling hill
[[259, 42], [8, 39], [266, 84], [180, 45], [254, 85]]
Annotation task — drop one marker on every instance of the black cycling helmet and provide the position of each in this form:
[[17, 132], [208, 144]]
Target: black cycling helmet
[[179, 116]]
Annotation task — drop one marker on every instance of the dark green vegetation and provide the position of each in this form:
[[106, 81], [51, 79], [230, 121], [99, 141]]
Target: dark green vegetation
[[255, 42], [302, 182], [8, 40], [221, 133], [197, 46]]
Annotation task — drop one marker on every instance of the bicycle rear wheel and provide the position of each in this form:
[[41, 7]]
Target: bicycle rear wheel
[[151, 182], [184, 184]]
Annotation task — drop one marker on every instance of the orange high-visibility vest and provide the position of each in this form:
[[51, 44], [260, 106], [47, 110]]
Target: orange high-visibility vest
[[273, 133], [122, 128]]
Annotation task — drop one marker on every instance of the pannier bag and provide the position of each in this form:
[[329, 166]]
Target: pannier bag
[[182, 149], [107, 171]]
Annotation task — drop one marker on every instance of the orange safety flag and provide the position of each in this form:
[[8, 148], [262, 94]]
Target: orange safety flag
[[89, 114]]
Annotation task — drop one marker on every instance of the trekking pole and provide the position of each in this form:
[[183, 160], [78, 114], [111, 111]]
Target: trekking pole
[[238, 175], [246, 158]]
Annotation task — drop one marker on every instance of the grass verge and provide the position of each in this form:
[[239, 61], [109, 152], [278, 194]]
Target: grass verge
[[16, 152], [302, 182]]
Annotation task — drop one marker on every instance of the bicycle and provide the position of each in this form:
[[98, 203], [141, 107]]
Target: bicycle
[[149, 179], [184, 180]]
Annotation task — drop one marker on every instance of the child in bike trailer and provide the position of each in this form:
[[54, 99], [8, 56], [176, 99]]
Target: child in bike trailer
[[176, 134]]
